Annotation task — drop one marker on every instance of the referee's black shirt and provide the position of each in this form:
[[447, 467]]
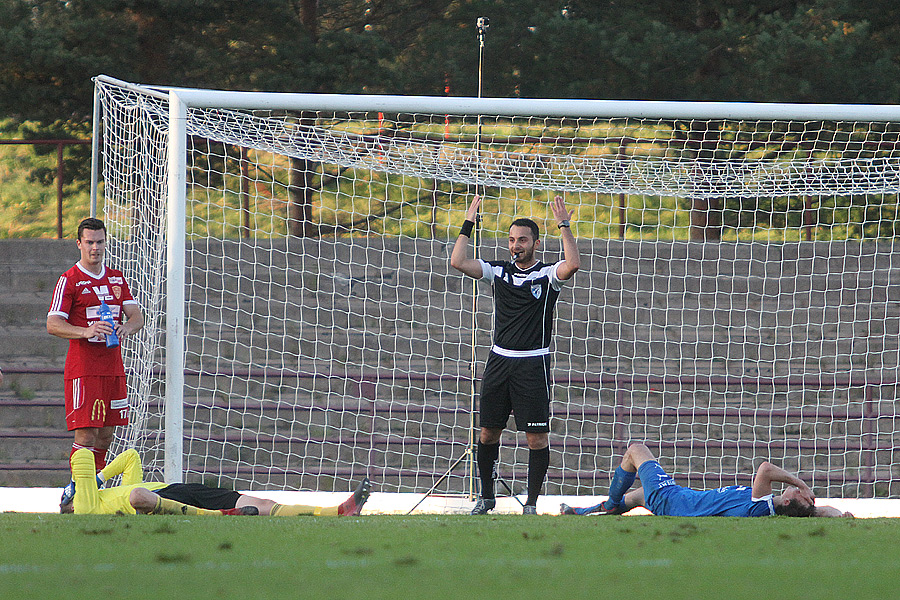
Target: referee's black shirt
[[523, 303]]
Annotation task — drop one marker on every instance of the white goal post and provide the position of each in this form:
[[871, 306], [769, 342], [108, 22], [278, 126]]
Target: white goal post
[[739, 298]]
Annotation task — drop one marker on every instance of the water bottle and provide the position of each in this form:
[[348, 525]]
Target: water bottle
[[106, 314]]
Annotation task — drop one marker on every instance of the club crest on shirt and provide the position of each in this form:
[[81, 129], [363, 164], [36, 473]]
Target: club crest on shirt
[[117, 291], [536, 291]]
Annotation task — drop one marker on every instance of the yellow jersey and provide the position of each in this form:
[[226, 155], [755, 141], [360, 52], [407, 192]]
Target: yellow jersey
[[89, 500]]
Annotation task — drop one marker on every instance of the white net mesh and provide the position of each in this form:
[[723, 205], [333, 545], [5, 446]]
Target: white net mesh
[[328, 338]]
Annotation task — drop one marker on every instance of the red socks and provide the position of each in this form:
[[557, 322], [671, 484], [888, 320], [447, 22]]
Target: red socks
[[100, 455]]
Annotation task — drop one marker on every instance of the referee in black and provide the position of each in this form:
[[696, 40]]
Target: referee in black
[[517, 374]]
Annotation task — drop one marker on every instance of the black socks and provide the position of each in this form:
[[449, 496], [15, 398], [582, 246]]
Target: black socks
[[538, 462], [486, 456]]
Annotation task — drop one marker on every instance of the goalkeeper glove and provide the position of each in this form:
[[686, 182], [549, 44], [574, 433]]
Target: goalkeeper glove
[[68, 493]]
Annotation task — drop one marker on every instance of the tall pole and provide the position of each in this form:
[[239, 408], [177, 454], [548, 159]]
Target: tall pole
[[467, 458], [483, 23], [95, 149], [175, 266]]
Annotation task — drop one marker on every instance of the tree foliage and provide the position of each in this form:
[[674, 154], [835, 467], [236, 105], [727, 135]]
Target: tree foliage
[[767, 50], [733, 50]]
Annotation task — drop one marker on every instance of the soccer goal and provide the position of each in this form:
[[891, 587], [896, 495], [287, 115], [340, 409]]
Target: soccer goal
[[739, 297]]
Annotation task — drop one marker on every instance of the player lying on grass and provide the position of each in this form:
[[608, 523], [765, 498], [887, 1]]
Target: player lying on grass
[[662, 496], [135, 496]]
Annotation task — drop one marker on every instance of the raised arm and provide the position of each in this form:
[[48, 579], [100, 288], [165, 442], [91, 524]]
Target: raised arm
[[769, 473], [571, 256], [459, 259]]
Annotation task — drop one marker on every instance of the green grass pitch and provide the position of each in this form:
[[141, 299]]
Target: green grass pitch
[[57, 556]]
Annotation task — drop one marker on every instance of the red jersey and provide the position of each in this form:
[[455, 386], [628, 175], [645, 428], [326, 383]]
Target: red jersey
[[77, 299]]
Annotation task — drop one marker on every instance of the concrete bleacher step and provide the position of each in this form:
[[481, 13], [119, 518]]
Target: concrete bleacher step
[[28, 375], [34, 443], [38, 444], [38, 344], [669, 309], [35, 473], [25, 309], [31, 409]]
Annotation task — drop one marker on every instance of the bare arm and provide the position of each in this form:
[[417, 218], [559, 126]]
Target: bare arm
[[830, 511], [459, 259], [571, 256], [769, 473], [133, 324], [58, 326]]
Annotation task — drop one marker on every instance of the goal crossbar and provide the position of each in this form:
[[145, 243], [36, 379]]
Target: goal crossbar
[[639, 109]]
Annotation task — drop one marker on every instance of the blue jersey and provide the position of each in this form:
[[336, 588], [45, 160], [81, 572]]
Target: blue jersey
[[664, 497], [731, 501]]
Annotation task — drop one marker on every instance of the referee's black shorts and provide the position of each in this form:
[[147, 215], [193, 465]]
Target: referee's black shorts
[[199, 495], [520, 386]]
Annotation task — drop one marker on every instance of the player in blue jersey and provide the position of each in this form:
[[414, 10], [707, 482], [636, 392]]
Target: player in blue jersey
[[662, 496], [517, 377]]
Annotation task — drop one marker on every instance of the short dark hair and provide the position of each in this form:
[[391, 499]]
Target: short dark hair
[[523, 222], [795, 508], [92, 224]]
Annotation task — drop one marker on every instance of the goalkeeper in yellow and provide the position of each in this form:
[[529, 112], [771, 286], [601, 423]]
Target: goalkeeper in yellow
[[135, 496]]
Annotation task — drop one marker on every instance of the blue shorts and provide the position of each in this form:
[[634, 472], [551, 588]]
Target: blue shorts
[[658, 487]]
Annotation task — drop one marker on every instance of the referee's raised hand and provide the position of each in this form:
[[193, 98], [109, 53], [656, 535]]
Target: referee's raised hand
[[559, 211], [472, 213], [459, 258], [571, 256]]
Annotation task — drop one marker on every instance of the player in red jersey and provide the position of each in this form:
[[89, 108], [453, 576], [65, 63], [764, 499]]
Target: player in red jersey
[[96, 395]]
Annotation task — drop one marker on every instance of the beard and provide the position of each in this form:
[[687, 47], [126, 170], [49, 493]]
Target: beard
[[525, 257]]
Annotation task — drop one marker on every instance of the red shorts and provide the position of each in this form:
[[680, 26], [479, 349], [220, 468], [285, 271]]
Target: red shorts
[[96, 402]]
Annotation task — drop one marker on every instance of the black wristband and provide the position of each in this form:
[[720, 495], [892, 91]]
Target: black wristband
[[466, 228]]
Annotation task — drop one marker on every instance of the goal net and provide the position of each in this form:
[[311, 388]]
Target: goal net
[[739, 297]]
